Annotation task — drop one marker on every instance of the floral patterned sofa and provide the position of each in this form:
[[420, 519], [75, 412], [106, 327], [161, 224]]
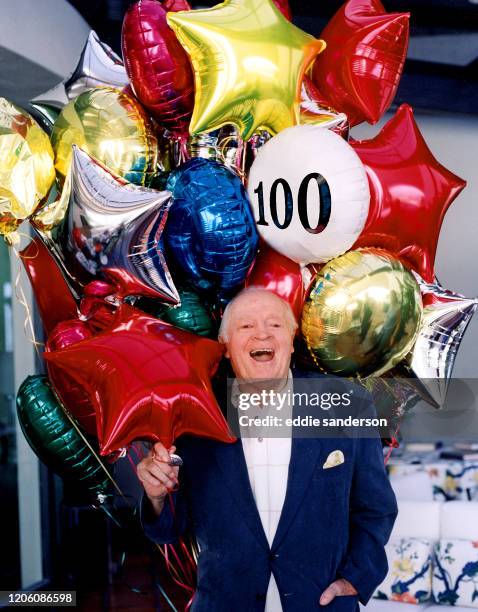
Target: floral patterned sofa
[[433, 559]]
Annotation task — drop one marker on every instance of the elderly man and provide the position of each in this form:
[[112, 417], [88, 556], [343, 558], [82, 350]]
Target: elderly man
[[276, 530]]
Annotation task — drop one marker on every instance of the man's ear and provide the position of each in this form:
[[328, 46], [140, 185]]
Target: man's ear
[[226, 353]]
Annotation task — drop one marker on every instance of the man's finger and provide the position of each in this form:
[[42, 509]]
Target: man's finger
[[160, 452], [329, 594], [160, 467]]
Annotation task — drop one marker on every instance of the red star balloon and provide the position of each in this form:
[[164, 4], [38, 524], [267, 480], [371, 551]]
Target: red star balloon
[[410, 193], [157, 65], [147, 380], [71, 394], [53, 295], [359, 71]]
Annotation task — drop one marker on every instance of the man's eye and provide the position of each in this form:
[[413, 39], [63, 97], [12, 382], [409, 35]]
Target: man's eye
[[246, 326], [276, 325]]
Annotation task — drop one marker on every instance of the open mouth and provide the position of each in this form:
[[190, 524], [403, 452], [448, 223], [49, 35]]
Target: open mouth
[[262, 355]]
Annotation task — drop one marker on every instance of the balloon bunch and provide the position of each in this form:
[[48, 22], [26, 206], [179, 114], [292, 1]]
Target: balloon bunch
[[218, 128]]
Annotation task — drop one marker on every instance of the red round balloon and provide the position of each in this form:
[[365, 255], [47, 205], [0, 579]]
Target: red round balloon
[[157, 65], [359, 71], [147, 380], [53, 296], [410, 192], [278, 274], [176, 5], [284, 8], [72, 395]]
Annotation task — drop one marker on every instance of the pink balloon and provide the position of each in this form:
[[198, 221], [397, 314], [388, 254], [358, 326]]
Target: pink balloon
[[157, 65]]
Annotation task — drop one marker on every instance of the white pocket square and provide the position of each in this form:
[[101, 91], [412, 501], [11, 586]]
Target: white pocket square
[[334, 459]]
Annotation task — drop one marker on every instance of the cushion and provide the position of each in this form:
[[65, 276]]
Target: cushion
[[459, 520], [436, 608], [409, 577], [375, 605], [413, 487], [417, 520], [455, 573]]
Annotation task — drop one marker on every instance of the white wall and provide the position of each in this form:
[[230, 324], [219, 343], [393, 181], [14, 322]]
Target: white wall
[[50, 33]]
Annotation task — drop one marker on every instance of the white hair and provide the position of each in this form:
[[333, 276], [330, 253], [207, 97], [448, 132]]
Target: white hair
[[223, 335]]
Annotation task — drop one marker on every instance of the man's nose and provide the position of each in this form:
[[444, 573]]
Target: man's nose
[[261, 332]]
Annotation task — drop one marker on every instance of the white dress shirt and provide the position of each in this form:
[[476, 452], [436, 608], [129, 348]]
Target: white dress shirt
[[267, 460]]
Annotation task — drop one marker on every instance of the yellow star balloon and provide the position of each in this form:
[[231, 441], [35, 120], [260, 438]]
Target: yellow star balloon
[[248, 61]]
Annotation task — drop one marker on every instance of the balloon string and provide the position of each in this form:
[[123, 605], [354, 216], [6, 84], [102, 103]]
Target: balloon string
[[175, 574], [22, 299], [163, 593], [72, 421], [392, 444]]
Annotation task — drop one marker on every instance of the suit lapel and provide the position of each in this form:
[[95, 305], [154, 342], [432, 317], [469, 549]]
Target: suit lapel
[[231, 461], [303, 459]]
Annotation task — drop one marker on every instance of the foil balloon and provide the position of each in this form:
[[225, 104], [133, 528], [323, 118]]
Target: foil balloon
[[222, 145], [113, 128], [360, 69], [175, 5], [362, 314], [191, 314], [98, 305], [55, 440], [157, 65], [111, 228], [44, 114], [444, 323], [315, 112], [410, 193], [210, 234], [248, 61], [280, 275], [72, 396], [147, 380], [55, 299], [98, 65], [26, 167], [309, 193], [284, 8]]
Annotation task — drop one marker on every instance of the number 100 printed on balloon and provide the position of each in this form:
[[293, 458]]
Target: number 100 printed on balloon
[[324, 203], [309, 193]]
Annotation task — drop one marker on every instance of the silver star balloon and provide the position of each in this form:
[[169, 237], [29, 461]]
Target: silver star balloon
[[105, 226], [98, 65], [443, 326]]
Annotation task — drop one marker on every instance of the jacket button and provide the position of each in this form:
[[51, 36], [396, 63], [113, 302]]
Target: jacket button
[[273, 556], [261, 597]]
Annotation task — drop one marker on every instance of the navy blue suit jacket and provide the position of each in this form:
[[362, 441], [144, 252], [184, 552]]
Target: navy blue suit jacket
[[334, 523]]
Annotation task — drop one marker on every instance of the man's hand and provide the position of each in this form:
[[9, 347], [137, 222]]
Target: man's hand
[[336, 589], [157, 476]]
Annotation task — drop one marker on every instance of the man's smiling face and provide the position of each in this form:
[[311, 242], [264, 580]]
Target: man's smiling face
[[260, 336]]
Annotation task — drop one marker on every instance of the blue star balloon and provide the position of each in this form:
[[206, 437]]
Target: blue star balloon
[[210, 232]]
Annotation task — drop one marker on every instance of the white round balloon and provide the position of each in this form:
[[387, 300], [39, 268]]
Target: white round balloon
[[309, 192]]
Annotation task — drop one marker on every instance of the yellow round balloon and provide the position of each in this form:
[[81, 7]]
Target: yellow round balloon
[[248, 61], [112, 127], [362, 314], [26, 166]]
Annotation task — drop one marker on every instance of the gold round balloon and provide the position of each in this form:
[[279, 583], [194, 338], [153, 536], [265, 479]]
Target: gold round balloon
[[112, 127], [362, 314], [26, 166]]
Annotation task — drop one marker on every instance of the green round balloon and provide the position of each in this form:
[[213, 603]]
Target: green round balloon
[[191, 314], [55, 440]]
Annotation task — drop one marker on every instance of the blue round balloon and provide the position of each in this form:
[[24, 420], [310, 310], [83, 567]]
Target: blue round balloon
[[210, 232]]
